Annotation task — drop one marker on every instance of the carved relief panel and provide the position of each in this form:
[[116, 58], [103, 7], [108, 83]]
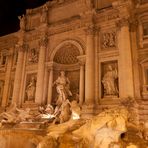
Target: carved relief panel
[[33, 55], [109, 79], [30, 88], [108, 40]]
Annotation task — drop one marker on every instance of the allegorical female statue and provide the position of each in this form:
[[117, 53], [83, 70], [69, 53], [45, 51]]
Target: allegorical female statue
[[63, 88], [109, 82], [30, 90]]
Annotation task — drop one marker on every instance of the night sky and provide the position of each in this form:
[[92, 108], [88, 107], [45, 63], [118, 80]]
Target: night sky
[[10, 10]]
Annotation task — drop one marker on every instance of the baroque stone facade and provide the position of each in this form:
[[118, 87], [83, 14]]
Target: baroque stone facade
[[101, 45]]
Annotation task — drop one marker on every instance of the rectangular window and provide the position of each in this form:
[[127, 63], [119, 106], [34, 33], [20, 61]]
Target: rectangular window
[[143, 1], [147, 76], [145, 29]]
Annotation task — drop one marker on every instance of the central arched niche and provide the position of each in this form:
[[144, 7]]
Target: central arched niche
[[65, 59], [67, 54]]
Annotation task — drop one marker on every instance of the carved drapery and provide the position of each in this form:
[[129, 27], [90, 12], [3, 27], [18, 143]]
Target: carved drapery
[[110, 79], [30, 88]]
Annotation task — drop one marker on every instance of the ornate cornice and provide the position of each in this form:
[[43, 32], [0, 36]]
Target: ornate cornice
[[7, 42], [32, 35], [64, 26], [59, 3], [108, 14]]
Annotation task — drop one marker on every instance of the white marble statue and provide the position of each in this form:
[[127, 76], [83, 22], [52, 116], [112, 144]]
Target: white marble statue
[[75, 109], [14, 115], [109, 82], [30, 90], [105, 128], [99, 132], [63, 88]]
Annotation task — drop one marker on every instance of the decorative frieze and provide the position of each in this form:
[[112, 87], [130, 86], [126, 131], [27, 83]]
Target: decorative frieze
[[107, 15]]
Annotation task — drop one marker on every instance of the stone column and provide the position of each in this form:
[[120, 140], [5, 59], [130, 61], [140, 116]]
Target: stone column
[[136, 74], [96, 68], [44, 101], [41, 71], [18, 73], [7, 79], [90, 67], [126, 87], [81, 84], [50, 84], [140, 28]]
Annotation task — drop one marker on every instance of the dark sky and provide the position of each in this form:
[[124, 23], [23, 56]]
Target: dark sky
[[10, 9]]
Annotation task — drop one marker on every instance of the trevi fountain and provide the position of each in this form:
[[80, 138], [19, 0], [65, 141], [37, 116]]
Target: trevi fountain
[[76, 76]]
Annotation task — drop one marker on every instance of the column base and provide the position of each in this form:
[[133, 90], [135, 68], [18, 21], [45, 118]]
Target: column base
[[88, 111], [32, 105]]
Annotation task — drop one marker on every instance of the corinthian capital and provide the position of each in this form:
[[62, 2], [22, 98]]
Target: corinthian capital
[[21, 47], [122, 22], [43, 41], [91, 30]]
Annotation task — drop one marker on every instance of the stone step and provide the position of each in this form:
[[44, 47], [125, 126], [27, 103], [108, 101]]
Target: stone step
[[30, 104], [143, 117], [143, 112], [143, 107], [30, 125], [143, 103]]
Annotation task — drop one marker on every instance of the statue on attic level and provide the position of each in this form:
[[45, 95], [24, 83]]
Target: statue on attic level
[[22, 22]]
